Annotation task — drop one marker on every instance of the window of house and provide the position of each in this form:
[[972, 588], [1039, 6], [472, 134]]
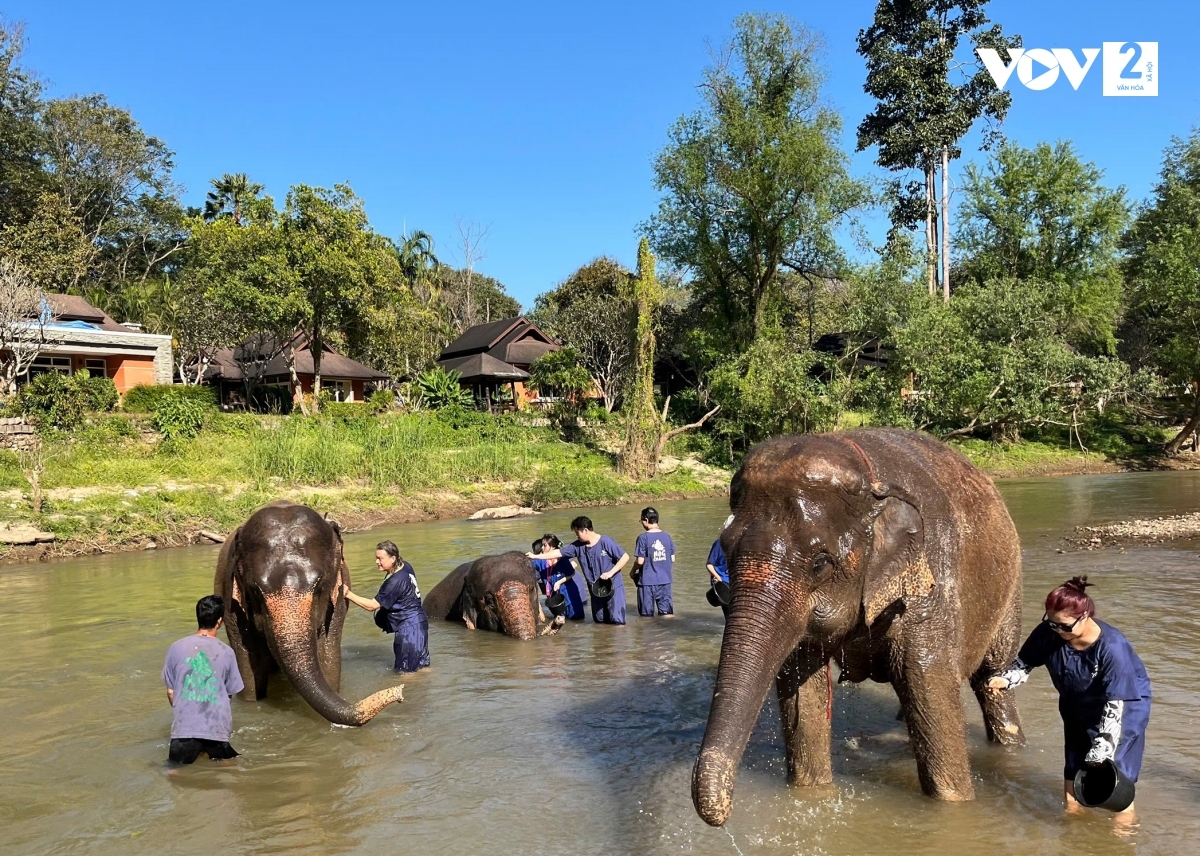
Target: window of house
[[45, 364], [341, 390], [96, 368]]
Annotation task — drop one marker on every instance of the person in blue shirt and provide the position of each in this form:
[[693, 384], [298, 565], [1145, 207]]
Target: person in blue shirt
[[1103, 688], [655, 557], [600, 558], [718, 565], [559, 575], [397, 608]]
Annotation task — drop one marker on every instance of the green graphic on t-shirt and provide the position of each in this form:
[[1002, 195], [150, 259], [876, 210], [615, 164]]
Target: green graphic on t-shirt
[[200, 684]]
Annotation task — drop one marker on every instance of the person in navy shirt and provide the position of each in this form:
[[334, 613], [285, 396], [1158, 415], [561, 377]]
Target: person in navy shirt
[[1103, 688], [600, 558], [397, 608], [718, 565], [655, 557], [556, 574]]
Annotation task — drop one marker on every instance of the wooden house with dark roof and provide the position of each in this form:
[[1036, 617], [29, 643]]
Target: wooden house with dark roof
[[262, 362], [492, 356]]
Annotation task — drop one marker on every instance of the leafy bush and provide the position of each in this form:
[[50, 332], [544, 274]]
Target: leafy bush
[[145, 399], [382, 400], [440, 388], [179, 417], [61, 401]]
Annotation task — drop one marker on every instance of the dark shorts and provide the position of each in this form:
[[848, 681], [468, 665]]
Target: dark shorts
[[185, 750]]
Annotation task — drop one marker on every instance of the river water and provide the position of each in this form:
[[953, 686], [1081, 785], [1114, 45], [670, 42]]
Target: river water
[[580, 743]]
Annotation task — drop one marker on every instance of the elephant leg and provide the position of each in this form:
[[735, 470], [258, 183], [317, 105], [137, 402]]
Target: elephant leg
[[1001, 719], [928, 685], [253, 659], [803, 689]]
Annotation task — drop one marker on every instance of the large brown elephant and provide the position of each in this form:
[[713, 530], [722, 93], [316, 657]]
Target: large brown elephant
[[497, 593], [281, 575], [892, 554]]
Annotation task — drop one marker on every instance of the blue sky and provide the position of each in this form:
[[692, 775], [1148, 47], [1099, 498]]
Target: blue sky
[[539, 120]]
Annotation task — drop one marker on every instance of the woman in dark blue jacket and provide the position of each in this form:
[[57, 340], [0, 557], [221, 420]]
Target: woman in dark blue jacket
[[397, 608], [1103, 688]]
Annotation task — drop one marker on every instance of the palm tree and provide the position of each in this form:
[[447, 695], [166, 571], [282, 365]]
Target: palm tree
[[419, 264], [230, 196]]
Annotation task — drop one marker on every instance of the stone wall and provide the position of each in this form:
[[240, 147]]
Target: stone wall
[[17, 434]]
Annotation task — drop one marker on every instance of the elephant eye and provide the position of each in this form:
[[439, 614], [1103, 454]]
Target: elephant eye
[[822, 563]]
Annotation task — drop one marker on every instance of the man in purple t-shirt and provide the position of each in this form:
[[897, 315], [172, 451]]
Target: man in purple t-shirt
[[655, 557], [600, 558], [201, 673]]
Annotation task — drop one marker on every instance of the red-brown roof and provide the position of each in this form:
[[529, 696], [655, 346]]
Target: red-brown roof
[[227, 364], [71, 307]]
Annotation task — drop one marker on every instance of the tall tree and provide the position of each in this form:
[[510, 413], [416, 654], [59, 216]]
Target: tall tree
[[232, 195], [419, 265], [22, 141], [928, 99], [1163, 275], [1044, 214], [755, 182], [589, 311], [116, 181]]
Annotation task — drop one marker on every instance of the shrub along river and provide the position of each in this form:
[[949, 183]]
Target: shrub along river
[[579, 743]]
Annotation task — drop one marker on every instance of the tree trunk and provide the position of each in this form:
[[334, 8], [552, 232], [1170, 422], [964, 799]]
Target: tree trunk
[[930, 231], [1189, 427], [314, 348], [945, 224], [289, 357]]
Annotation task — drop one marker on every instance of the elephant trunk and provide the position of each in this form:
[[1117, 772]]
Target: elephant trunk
[[764, 626], [516, 611], [294, 645]]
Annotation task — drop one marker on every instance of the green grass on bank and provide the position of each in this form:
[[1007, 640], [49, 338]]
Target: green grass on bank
[[96, 479]]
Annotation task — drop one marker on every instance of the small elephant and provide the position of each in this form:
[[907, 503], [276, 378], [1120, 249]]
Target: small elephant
[[281, 575], [497, 593], [887, 551]]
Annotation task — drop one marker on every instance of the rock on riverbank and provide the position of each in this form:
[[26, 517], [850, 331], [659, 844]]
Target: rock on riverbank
[[1150, 530]]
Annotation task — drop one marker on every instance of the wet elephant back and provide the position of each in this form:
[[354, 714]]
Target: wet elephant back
[[444, 600]]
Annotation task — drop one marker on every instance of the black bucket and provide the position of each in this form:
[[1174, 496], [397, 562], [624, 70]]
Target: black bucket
[[1104, 786], [718, 594], [602, 588], [557, 603]]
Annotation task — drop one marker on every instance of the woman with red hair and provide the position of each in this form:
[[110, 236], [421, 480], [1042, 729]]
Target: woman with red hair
[[1103, 689]]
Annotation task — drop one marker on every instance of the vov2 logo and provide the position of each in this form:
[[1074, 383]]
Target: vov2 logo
[[1129, 68]]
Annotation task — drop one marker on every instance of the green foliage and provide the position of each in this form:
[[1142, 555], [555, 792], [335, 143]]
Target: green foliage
[[63, 401], [382, 400], [179, 417], [347, 411], [756, 182], [639, 457], [992, 359], [560, 373], [440, 388], [589, 313], [1043, 214], [771, 389], [562, 485], [911, 69], [146, 399]]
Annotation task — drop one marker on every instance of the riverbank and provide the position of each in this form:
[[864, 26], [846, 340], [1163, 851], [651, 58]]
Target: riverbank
[[116, 486]]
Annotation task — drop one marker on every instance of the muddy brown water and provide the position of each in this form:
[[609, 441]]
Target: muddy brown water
[[582, 743]]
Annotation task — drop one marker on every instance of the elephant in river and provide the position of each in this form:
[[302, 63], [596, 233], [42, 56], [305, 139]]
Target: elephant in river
[[281, 575], [497, 593], [890, 553]]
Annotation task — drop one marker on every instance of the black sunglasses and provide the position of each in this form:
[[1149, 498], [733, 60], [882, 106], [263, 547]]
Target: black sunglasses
[[1064, 628]]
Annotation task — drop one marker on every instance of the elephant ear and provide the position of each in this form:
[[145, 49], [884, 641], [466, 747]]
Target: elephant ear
[[470, 611], [896, 567], [343, 570]]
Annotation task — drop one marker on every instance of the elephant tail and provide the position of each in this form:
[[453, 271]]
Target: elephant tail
[[294, 645]]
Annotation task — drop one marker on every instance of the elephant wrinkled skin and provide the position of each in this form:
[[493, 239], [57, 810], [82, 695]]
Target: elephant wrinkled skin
[[497, 593], [890, 553], [281, 575]]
